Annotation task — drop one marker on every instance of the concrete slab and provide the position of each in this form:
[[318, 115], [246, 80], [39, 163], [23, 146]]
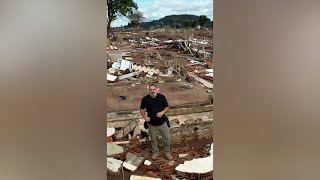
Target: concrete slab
[[132, 161], [114, 57], [113, 166], [176, 95], [113, 148]]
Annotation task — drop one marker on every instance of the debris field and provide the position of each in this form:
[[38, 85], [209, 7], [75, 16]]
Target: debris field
[[181, 62]]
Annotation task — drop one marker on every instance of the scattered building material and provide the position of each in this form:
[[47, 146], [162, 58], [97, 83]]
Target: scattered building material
[[113, 148], [122, 64], [127, 142], [110, 47], [136, 177], [185, 58], [110, 131], [136, 131], [132, 161], [194, 62], [111, 77], [130, 127], [147, 162], [209, 72], [125, 76], [155, 47], [196, 165], [168, 73], [183, 155], [114, 57], [113, 166], [204, 82]]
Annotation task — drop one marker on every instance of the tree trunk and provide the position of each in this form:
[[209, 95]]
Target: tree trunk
[[109, 28], [107, 19]]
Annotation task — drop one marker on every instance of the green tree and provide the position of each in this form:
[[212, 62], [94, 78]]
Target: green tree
[[203, 20], [118, 8], [135, 19], [190, 23]]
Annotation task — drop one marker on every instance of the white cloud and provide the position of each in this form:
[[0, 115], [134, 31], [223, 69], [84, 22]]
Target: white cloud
[[156, 9], [121, 21]]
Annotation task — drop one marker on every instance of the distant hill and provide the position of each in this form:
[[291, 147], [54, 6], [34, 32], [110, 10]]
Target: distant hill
[[177, 21]]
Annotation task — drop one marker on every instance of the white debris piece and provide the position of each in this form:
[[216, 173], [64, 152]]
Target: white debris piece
[[113, 164], [132, 161], [150, 74], [110, 131], [125, 65], [129, 166], [194, 62], [196, 71], [136, 131], [196, 165], [147, 69], [128, 58], [116, 65], [112, 47], [209, 70], [113, 148], [204, 82], [169, 71], [128, 75], [168, 41], [211, 150], [135, 177], [111, 77], [209, 74], [110, 70], [114, 56], [122, 65], [147, 162], [182, 155], [142, 69]]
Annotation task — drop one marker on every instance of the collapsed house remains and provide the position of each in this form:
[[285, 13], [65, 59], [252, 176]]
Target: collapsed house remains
[[183, 69]]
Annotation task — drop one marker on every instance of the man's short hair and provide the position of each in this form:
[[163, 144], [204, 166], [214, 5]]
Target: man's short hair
[[152, 85]]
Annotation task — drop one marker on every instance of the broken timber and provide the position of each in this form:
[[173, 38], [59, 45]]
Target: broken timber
[[204, 82]]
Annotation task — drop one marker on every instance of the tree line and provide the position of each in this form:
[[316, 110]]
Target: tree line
[[129, 9]]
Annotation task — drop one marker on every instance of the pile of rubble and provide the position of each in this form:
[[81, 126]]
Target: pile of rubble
[[129, 148], [149, 59], [137, 156], [144, 58]]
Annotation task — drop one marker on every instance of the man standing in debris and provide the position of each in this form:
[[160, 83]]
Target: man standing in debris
[[156, 106]]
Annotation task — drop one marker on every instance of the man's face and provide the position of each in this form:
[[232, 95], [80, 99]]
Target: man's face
[[153, 91]]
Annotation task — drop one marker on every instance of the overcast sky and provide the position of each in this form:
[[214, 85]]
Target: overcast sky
[[156, 9]]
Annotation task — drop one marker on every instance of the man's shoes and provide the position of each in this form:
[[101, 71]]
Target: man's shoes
[[154, 156], [168, 156]]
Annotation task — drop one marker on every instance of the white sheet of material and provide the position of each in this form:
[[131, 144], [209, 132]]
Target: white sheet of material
[[147, 162], [111, 77], [113, 164], [110, 131], [197, 165], [129, 166]]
